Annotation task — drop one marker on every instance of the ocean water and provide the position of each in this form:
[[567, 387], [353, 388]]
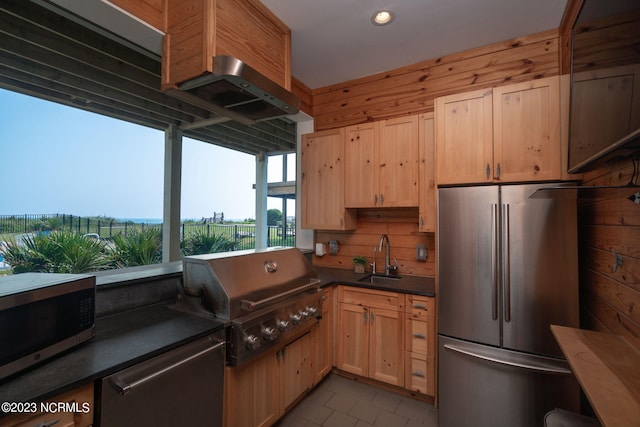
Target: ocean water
[[141, 220]]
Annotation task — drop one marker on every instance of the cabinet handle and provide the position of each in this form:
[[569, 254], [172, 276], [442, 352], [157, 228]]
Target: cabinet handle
[[488, 171], [375, 200], [419, 335], [341, 222], [365, 316], [47, 424], [498, 171], [421, 306], [418, 374], [381, 199], [421, 222], [373, 317]]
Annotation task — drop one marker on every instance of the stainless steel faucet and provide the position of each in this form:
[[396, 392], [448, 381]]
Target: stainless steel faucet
[[387, 263]]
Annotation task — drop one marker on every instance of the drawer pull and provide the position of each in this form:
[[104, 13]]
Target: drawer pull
[[420, 306], [418, 374], [419, 335]]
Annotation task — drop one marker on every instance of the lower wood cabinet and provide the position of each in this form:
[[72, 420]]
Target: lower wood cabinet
[[420, 344], [251, 393], [259, 393], [80, 399], [370, 334]]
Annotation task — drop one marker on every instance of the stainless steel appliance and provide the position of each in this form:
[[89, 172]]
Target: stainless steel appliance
[[507, 268], [267, 295], [42, 315], [182, 387]]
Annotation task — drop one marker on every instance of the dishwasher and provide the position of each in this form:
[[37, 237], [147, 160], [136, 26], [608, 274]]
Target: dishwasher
[[182, 387]]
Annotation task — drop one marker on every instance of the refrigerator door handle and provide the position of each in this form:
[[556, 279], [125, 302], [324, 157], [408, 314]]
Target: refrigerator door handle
[[494, 261], [515, 360], [507, 263]]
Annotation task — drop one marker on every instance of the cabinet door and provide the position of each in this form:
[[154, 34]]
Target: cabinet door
[[398, 164], [526, 122], [323, 341], [427, 174], [323, 182], [353, 338], [252, 393], [296, 363], [386, 349], [361, 171], [464, 138]]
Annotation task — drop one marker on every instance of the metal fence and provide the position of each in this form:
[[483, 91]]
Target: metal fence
[[242, 234]]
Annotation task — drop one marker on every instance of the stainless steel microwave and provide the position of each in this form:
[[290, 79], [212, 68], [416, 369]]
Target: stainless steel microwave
[[43, 314]]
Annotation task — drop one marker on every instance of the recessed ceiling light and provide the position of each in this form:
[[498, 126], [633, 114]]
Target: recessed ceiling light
[[382, 17]]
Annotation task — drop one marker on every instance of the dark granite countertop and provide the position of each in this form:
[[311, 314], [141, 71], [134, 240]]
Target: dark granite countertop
[[425, 286], [121, 340]]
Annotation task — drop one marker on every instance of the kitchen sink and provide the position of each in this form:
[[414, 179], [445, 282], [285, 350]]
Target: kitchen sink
[[380, 279]]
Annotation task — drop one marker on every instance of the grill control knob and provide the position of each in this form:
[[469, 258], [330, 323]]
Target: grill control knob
[[304, 314], [312, 311], [252, 342], [269, 333], [296, 318], [283, 325]]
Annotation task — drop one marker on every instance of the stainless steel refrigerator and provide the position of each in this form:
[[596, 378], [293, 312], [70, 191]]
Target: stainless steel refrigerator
[[507, 270]]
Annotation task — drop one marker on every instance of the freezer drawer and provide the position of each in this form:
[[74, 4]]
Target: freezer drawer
[[183, 387], [483, 386]]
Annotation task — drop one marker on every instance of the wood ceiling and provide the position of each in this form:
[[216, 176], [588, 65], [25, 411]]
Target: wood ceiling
[[48, 56]]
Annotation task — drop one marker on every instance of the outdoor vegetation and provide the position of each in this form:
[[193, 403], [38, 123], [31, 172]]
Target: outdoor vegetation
[[70, 244]]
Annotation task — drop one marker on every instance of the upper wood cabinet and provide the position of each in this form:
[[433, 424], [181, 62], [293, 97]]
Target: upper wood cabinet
[[508, 134], [199, 30], [322, 184], [427, 174], [382, 160]]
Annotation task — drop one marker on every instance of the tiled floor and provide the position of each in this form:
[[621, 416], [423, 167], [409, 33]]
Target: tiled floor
[[342, 402]]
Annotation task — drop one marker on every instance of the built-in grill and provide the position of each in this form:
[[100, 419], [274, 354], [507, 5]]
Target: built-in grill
[[267, 295]]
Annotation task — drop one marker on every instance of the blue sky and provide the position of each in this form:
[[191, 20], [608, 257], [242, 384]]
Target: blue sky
[[58, 159]]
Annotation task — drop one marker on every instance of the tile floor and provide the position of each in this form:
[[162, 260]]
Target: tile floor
[[342, 402]]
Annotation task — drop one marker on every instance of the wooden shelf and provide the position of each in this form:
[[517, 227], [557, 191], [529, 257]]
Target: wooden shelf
[[607, 367]]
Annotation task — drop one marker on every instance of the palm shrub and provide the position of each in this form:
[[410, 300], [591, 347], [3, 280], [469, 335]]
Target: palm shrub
[[138, 247], [200, 243], [58, 252]]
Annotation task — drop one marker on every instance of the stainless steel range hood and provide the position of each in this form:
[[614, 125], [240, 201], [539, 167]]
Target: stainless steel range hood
[[238, 92]]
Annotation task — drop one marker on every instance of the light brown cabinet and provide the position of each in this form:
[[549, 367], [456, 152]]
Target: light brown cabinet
[[370, 334], [81, 399], [323, 341], [506, 134], [427, 174], [296, 366], [323, 173], [252, 393], [382, 161], [420, 344]]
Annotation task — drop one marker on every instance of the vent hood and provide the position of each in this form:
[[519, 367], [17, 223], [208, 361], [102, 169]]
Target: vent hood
[[235, 90]]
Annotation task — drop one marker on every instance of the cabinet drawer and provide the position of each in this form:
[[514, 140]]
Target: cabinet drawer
[[370, 298], [420, 336], [420, 305], [419, 373]]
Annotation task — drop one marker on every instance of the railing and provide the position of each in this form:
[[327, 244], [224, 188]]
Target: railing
[[242, 234]]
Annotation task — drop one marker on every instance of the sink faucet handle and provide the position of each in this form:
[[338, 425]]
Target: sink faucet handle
[[393, 269]]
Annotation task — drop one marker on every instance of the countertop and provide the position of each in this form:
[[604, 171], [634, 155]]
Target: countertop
[[425, 286], [121, 340], [607, 367]]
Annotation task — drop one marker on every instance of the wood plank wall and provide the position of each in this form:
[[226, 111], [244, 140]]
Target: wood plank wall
[[610, 300], [401, 225], [412, 89]]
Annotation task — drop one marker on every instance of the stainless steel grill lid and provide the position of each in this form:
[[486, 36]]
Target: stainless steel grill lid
[[231, 284]]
